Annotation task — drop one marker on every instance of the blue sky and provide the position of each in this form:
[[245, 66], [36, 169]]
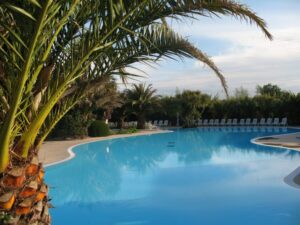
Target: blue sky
[[240, 50]]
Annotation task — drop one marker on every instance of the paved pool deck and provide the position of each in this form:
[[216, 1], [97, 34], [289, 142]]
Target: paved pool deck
[[288, 141], [291, 141]]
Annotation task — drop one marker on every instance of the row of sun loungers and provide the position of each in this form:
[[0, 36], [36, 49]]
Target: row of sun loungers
[[126, 124], [249, 129], [243, 122], [159, 123], [155, 123]]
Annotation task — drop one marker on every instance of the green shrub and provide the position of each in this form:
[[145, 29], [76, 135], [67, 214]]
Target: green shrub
[[127, 131], [98, 128], [71, 126]]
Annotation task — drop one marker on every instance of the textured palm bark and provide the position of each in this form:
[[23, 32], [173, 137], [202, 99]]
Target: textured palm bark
[[141, 122], [24, 194]]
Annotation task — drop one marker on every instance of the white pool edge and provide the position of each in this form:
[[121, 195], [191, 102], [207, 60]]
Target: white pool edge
[[72, 154], [289, 179]]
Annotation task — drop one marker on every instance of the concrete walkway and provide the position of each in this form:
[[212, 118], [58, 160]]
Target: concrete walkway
[[290, 141], [287, 141]]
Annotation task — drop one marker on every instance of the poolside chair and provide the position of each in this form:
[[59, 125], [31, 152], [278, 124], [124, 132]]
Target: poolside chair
[[254, 122], [276, 122], [248, 122], [223, 122], [126, 124], [229, 122], [211, 122], [205, 122], [166, 123], [262, 122], [242, 122], [134, 123], [283, 122], [155, 122], [234, 122], [216, 122], [269, 121], [161, 123], [199, 122]]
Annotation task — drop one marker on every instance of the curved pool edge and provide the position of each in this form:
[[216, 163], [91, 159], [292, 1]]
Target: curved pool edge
[[290, 178], [71, 154]]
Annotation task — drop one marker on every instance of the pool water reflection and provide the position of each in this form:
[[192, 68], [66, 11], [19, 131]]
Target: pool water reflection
[[187, 177]]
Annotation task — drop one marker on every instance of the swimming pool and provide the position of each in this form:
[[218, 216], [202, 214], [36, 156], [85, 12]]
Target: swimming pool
[[198, 176]]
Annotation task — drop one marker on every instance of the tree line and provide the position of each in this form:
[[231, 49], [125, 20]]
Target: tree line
[[269, 101], [141, 103]]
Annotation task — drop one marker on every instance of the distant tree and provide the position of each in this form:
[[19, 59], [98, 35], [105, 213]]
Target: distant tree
[[269, 89], [120, 113], [193, 103], [241, 93], [141, 100], [105, 100]]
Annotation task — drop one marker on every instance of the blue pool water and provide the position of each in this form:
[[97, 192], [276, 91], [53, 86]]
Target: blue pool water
[[187, 177]]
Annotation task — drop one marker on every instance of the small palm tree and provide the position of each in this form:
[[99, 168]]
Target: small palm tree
[[193, 103], [105, 100], [141, 100], [54, 53]]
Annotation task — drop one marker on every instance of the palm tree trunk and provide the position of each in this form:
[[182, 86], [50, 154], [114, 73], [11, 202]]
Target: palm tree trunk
[[24, 194], [141, 122], [121, 122]]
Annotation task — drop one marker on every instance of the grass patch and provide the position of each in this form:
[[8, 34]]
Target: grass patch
[[127, 131]]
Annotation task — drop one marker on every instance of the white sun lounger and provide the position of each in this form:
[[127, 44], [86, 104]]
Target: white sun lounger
[[200, 122], [276, 121], [229, 122], [283, 122], [155, 122], [254, 122], [166, 123], [211, 122], [262, 122], [234, 122], [216, 122], [205, 122], [248, 122], [242, 122], [161, 123], [223, 122], [269, 121]]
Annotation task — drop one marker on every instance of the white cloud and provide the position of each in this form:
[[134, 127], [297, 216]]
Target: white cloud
[[247, 60]]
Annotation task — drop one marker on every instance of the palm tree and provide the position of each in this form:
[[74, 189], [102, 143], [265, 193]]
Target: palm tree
[[53, 53], [141, 100], [192, 103], [105, 100]]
